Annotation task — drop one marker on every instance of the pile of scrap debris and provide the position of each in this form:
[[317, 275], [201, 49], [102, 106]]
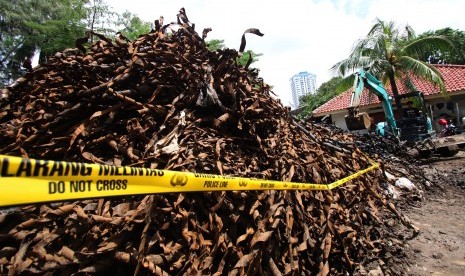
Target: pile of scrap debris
[[165, 101]]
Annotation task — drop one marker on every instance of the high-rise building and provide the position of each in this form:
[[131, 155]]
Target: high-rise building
[[302, 84]]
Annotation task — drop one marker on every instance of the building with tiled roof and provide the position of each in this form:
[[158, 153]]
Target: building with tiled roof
[[453, 105]]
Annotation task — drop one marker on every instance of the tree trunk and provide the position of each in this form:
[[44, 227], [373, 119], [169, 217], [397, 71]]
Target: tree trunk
[[93, 21], [392, 80]]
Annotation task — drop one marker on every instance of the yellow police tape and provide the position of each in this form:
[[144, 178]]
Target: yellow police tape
[[28, 181]]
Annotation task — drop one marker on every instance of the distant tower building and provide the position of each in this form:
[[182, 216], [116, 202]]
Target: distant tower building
[[302, 84]]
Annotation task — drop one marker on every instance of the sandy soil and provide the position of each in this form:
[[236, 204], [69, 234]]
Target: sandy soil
[[439, 249]]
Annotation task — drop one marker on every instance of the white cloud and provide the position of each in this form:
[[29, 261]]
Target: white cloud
[[300, 35]]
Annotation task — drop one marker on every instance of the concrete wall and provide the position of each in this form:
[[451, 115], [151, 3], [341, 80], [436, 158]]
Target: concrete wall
[[454, 107], [340, 121]]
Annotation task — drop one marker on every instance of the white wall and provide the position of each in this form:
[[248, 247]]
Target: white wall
[[340, 121], [453, 113]]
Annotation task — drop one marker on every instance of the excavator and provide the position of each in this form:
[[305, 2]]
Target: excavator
[[414, 131]]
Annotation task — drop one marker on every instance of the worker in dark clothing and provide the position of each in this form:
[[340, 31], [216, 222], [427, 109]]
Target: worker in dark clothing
[[410, 111]]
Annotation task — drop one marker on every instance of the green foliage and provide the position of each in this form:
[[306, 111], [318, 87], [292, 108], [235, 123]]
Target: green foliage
[[215, 44], [56, 28], [99, 17], [244, 58], [390, 53], [324, 93], [48, 26], [132, 25], [456, 55], [30, 25]]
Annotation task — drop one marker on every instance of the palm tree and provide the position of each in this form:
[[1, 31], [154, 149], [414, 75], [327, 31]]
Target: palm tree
[[390, 54]]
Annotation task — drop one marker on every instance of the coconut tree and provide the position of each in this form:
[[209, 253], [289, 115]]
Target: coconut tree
[[391, 53]]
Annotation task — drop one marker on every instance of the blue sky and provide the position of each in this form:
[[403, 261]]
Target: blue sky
[[300, 35]]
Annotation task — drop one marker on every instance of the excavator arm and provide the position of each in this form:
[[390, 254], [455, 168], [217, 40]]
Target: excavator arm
[[414, 131], [356, 120]]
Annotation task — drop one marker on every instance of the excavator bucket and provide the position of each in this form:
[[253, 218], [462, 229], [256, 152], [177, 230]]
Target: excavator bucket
[[358, 121]]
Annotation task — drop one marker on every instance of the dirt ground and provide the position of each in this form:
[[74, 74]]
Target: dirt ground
[[439, 249]]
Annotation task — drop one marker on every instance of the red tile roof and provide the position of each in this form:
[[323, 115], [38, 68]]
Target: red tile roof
[[454, 79]]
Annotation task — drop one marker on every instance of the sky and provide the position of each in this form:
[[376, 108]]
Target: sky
[[299, 35]]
